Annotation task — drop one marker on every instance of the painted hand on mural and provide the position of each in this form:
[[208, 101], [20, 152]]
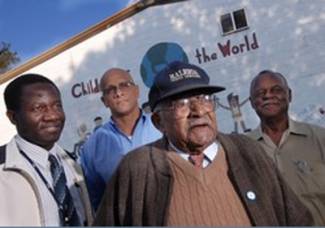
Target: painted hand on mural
[[234, 108]]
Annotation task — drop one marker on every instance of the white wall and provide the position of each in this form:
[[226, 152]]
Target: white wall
[[290, 37]]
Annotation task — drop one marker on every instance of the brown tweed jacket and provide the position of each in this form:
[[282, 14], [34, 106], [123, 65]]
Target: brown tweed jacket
[[139, 192]]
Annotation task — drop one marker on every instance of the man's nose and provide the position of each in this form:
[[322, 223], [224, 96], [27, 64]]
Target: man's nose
[[268, 94], [118, 91], [52, 114], [196, 108]]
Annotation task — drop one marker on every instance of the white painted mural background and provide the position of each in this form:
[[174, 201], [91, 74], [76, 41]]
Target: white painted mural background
[[287, 36]]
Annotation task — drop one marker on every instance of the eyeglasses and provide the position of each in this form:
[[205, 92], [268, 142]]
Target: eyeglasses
[[182, 107], [122, 86]]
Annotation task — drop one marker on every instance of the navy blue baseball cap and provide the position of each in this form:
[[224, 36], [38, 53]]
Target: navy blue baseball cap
[[177, 78]]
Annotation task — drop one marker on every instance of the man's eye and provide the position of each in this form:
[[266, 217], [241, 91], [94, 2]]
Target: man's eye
[[204, 98], [259, 94], [181, 103], [58, 106], [124, 85], [38, 108], [109, 90], [277, 90]]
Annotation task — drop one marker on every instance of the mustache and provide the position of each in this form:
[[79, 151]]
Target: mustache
[[194, 122], [268, 102]]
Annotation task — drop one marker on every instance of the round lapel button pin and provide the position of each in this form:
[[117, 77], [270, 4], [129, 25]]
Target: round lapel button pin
[[251, 195]]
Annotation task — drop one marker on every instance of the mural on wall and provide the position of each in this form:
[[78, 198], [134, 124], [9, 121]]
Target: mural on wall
[[83, 134], [157, 57], [227, 49], [145, 50], [161, 54], [98, 122], [312, 113], [234, 108]]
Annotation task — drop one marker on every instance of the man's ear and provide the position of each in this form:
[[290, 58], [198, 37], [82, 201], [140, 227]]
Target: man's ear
[[252, 102], [137, 91], [12, 116], [103, 100], [156, 120]]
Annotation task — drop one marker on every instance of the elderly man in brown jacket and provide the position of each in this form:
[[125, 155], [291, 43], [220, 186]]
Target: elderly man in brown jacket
[[194, 175]]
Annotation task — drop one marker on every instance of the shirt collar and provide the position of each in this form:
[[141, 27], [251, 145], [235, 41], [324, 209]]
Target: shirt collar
[[256, 134], [36, 153], [143, 117], [209, 153], [294, 128]]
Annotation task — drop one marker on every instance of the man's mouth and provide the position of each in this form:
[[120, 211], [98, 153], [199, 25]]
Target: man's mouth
[[119, 102], [52, 128], [270, 104], [199, 123]]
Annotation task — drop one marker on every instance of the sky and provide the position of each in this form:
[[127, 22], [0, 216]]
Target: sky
[[34, 26]]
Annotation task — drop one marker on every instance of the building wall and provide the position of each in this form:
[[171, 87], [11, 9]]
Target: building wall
[[285, 36]]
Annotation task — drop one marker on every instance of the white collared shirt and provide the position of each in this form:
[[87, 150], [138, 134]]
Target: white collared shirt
[[209, 153], [40, 157]]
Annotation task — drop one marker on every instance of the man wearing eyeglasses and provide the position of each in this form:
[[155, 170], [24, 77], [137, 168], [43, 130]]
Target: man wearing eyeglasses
[[127, 129], [194, 175]]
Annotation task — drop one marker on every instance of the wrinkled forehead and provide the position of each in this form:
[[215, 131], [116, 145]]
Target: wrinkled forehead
[[39, 92], [268, 79], [114, 77], [37, 88]]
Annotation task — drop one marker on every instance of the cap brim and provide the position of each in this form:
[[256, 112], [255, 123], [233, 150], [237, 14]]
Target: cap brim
[[205, 89]]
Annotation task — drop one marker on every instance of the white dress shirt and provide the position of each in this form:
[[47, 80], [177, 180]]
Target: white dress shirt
[[209, 153]]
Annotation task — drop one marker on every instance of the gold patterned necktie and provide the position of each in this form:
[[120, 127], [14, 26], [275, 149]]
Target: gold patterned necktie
[[197, 160]]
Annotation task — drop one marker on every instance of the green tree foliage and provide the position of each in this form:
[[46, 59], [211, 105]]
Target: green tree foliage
[[8, 58]]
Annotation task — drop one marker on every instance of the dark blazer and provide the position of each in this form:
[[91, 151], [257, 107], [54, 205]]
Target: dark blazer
[[140, 191]]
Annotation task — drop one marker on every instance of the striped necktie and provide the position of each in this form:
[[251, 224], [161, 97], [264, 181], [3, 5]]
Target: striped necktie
[[67, 211]]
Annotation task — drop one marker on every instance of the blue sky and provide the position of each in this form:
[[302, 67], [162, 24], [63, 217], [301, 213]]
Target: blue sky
[[34, 26]]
